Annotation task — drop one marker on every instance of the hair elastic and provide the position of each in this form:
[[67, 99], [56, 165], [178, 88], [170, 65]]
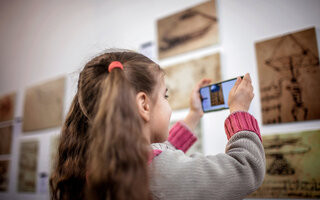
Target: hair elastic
[[115, 64]]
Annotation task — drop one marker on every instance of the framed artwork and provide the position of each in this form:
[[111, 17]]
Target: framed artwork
[[6, 140], [188, 30], [28, 161], [289, 74], [43, 105], [7, 106], [182, 78], [4, 175], [54, 145], [293, 165]]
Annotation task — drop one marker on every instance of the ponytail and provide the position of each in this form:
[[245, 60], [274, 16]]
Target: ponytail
[[117, 165], [103, 153]]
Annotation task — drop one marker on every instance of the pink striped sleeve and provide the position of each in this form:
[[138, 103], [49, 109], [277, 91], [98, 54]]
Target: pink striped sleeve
[[154, 153], [181, 137], [241, 121]]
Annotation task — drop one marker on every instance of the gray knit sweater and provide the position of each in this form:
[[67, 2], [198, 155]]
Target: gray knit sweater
[[230, 175]]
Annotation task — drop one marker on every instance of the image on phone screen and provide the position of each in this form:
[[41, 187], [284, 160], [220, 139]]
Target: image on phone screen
[[215, 96]]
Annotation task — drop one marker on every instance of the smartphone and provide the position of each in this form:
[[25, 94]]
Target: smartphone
[[214, 97]]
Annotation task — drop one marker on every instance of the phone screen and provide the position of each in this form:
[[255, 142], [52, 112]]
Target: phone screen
[[215, 96]]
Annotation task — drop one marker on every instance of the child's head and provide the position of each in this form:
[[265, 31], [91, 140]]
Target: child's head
[[112, 119]]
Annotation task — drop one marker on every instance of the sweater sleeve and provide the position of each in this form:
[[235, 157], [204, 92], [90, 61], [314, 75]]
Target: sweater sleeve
[[180, 138], [230, 175]]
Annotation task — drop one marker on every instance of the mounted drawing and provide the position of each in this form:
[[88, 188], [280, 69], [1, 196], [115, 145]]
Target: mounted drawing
[[188, 30], [6, 140], [7, 104], [289, 74], [4, 175], [43, 105], [28, 161], [292, 169], [181, 78]]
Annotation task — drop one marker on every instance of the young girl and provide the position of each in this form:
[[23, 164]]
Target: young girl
[[120, 109]]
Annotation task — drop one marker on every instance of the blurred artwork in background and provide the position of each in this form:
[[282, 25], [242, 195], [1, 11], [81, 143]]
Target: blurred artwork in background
[[7, 104], [4, 175], [289, 77], [293, 166], [54, 144], [197, 147], [6, 140], [188, 30], [182, 78], [28, 161], [43, 105]]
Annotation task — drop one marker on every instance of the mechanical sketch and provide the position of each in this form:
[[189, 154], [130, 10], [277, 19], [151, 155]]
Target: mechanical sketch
[[181, 78], [188, 30], [292, 169], [28, 161], [43, 105], [7, 104], [289, 75]]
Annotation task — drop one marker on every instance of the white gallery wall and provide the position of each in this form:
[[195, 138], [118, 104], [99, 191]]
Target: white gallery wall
[[43, 40]]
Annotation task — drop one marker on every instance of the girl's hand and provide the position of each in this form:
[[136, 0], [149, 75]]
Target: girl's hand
[[195, 112], [241, 94]]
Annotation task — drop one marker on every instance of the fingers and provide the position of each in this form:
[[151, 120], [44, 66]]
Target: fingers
[[201, 83], [247, 79], [236, 85]]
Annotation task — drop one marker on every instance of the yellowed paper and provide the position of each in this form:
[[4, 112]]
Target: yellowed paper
[[4, 175], [6, 140], [188, 30], [289, 77], [293, 166], [28, 160], [43, 106], [182, 78], [7, 106]]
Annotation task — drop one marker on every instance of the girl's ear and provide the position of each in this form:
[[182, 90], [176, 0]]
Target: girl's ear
[[143, 103]]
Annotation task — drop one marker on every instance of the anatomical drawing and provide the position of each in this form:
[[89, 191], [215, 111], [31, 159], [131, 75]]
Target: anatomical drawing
[[289, 76]]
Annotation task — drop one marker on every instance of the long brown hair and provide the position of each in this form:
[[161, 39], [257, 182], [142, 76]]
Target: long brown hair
[[102, 139]]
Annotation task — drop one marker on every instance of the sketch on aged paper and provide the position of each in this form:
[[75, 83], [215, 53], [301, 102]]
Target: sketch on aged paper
[[289, 74], [292, 169], [181, 78], [54, 144], [7, 106], [43, 106], [4, 175], [188, 30], [28, 160], [6, 140], [197, 147]]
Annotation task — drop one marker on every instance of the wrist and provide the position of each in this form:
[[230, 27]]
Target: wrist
[[192, 119], [238, 109]]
